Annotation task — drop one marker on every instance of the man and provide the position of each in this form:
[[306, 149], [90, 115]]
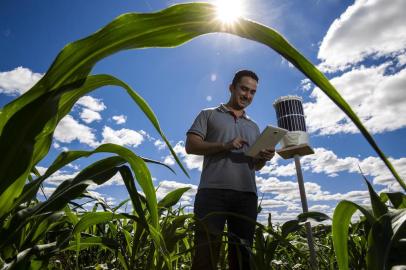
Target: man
[[227, 182]]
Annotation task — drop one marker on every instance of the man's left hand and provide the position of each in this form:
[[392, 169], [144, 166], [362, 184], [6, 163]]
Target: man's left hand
[[266, 154]]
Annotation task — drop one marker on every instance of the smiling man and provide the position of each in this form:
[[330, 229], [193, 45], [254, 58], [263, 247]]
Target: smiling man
[[227, 182]]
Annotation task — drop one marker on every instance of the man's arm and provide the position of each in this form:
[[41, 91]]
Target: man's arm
[[197, 146]]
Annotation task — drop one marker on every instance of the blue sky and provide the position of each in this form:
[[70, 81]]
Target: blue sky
[[360, 45]]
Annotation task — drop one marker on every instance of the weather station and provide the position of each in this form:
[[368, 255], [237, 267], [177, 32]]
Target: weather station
[[295, 144]]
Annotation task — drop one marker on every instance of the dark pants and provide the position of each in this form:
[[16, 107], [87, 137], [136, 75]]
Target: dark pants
[[208, 232]]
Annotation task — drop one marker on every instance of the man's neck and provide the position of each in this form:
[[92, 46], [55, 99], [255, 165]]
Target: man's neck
[[237, 111]]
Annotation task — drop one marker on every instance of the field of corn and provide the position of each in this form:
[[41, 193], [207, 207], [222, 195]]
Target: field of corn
[[59, 233]]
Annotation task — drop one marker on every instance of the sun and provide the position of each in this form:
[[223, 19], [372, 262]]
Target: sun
[[228, 11]]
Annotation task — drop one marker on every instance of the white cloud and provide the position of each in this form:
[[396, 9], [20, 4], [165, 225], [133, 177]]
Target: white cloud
[[288, 191], [401, 60], [18, 80], [209, 98], [305, 84], [191, 161], [375, 167], [41, 169], [47, 191], [169, 160], [146, 135], [320, 208], [69, 130], [120, 119], [59, 176], [89, 116], [272, 203], [122, 136], [327, 162], [160, 144], [367, 28], [279, 170], [378, 99], [56, 145], [73, 166], [213, 77], [286, 62], [91, 103], [281, 217]]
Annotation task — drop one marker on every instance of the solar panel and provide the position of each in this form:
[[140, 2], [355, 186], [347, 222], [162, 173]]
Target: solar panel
[[289, 113]]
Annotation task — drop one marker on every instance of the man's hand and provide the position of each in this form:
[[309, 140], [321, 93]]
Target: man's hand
[[263, 156], [236, 143], [266, 154]]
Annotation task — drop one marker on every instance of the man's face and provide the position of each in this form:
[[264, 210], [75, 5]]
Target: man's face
[[243, 92]]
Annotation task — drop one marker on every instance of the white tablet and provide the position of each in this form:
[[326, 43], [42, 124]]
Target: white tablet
[[269, 138]]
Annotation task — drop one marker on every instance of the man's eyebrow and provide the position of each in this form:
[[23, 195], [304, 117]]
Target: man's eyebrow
[[246, 87]]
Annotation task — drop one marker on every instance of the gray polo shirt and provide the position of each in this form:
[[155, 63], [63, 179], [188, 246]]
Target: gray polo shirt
[[226, 170]]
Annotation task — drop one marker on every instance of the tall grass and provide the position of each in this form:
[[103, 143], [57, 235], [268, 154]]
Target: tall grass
[[35, 234]]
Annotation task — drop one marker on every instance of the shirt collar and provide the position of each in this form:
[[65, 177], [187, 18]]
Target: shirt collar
[[224, 109]]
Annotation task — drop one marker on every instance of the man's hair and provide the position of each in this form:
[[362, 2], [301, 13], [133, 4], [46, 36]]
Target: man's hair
[[242, 73]]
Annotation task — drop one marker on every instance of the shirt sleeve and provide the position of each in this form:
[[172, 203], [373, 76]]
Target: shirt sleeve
[[199, 126]]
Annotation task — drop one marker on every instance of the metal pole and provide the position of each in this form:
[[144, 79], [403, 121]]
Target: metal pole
[[313, 260]]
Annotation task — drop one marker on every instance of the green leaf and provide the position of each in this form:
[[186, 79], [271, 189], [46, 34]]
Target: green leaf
[[378, 240], [134, 195], [378, 206], [137, 164], [22, 261], [30, 190], [341, 221], [46, 225], [398, 227], [289, 227], [317, 216], [92, 241], [397, 199], [172, 197], [99, 172], [120, 205], [89, 219]]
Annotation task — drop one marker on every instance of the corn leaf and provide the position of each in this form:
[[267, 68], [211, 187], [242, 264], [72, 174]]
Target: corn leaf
[[22, 261], [289, 227], [89, 219], [341, 221], [317, 216], [397, 199], [398, 227], [378, 241], [378, 206], [92, 241], [134, 195], [172, 197]]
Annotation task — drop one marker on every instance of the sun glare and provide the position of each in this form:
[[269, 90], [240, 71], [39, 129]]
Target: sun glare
[[228, 11]]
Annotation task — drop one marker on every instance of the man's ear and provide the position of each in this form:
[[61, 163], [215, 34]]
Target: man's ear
[[231, 88]]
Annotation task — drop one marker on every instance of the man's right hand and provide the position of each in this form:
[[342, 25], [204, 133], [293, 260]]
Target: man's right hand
[[236, 143]]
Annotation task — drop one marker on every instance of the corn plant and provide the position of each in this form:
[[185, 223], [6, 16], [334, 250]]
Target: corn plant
[[33, 233], [384, 230]]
